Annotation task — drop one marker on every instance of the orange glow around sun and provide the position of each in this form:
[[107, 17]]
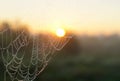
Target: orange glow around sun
[[60, 32]]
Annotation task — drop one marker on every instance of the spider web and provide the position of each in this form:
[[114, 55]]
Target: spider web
[[25, 56]]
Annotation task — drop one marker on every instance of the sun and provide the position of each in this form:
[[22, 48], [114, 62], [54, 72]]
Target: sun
[[60, 32]]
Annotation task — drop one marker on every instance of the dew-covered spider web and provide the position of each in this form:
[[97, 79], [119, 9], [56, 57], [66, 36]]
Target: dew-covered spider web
[[25, 56]]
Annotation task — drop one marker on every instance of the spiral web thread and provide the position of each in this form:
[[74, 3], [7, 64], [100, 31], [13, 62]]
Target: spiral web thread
[[14, 54]]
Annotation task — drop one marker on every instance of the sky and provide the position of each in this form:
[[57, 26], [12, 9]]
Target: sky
[[82, 16]]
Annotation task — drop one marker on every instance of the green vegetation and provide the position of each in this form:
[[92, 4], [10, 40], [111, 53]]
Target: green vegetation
[[97, 60]]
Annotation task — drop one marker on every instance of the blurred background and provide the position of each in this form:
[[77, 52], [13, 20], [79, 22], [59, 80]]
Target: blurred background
[[84, 58]]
